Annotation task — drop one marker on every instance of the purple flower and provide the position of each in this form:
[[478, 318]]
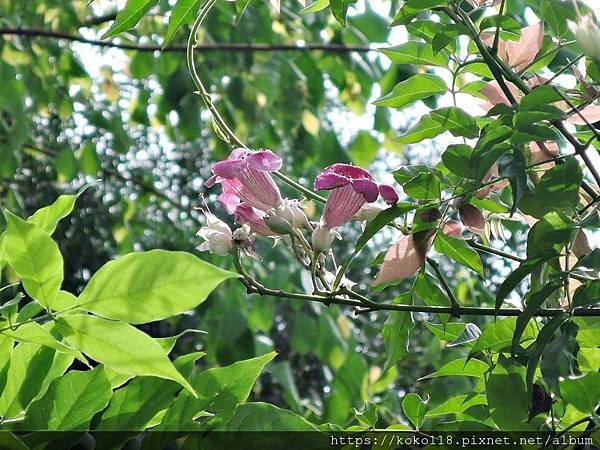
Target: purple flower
[[245, 177], [351, 187]]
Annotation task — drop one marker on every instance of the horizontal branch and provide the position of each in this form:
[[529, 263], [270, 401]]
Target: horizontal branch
[[215, 47], [254, 288]]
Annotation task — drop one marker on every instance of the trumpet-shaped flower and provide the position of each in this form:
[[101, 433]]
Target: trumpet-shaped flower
[[351, 187], [245, 177]]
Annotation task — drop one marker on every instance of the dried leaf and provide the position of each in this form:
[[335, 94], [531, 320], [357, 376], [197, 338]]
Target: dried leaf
[[523, 52], [405, 257]]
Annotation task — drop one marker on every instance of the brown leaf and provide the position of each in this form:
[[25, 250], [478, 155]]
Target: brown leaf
[[405, 257], [524, 51], [496, 96], [452, 228], [581, 245], [590, 113], [472, 219]]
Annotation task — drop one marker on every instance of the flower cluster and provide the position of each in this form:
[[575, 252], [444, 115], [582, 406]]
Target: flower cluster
[[251, 196]]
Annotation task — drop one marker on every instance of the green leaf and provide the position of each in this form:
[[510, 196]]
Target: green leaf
[[136, 404], [148, 286], [35, 333], [411, 8], [497, 336], [456, 159], [507, 396], [460, 368], [556, 13], [415, 408], [456, 121], [317, 6], [396, 331], [128, 17], [459, 251], [266, 417], [557, 190], [339, 9], [35, 258], [367, 416], [425, 186], [587, 294], [32, 368], [448, 332], [70, 402], [514, 168], [364, 148], [539, 97], [417, 53], [425, 128], [427, 289], [552, 232], [544, 337], [506, 23], [220, 391], [533, 303], [415, 88], [582, 392], [119, 346], [524, 269], [184, 11], [457, 405], [47, 218]]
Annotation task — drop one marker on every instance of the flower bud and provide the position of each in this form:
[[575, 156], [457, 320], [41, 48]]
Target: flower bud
[[277, 224], [217, 236], [322, 237], [291, 210], [587, 33]]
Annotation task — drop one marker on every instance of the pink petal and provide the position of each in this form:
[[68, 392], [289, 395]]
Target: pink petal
[[389, 194], [472, 219], [367, 188], [229, 168], [229, 200], [211, 181], [342, 204], [453, 229], [258, 188], [404, 258], [339, 174], [264, 160], [523, 52], [246, 214], [327, 181], [591, 113]]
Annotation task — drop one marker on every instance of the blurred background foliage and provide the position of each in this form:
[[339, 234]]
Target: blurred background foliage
[[71, 113]]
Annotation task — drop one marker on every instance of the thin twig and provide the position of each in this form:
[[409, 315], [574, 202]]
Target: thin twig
[[214, 47]]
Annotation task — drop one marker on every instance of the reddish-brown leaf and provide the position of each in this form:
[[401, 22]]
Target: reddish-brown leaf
[[405, 257], [472, 219]]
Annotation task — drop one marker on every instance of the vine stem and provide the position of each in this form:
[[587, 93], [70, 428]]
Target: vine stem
[[362, 304], [223, 130]]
